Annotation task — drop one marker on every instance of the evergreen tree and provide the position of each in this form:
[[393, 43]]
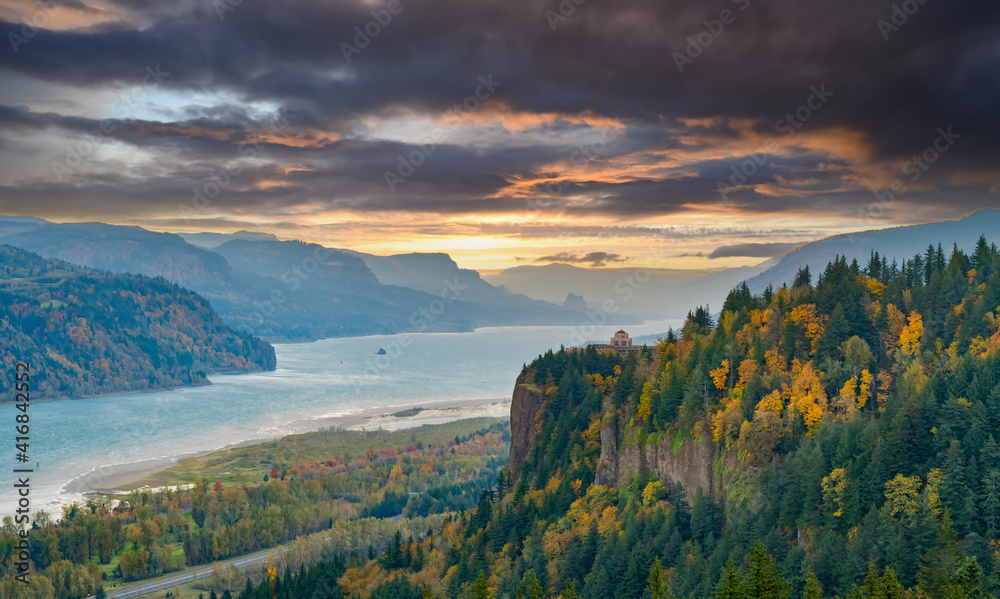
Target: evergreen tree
[[938, 564], [872, 587], [803, 278], [731, 586], [813, 590], [762, 578], [481, 589], [534, 587], [658, 587], [569, 592]]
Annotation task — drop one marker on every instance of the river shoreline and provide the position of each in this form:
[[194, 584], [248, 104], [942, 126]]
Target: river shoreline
[[118, 479]]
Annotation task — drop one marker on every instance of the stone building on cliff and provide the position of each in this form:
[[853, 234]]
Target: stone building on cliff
[[621, 343]]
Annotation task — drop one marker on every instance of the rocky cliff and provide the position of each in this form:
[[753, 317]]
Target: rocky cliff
[[625, 451], [525, 403]]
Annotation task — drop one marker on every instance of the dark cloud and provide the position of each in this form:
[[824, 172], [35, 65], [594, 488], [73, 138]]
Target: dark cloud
[[751, 250], [595, 259], [608, 59]]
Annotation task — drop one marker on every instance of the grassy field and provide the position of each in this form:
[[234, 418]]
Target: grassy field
[[250, 463]]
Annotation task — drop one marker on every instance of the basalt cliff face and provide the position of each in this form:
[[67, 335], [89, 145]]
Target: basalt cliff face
[[525, 404], [623, 456], [694, 463]]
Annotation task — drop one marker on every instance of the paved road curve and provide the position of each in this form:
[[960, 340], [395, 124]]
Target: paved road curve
[[184, 578]]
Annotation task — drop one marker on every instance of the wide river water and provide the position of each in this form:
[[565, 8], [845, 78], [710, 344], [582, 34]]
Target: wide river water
[[71, 439]]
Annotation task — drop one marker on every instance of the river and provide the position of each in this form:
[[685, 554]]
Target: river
[[72, 439]]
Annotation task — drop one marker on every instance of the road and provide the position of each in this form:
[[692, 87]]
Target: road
[[179, 579]]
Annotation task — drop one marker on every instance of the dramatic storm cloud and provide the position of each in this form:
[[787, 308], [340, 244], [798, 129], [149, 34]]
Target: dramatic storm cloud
[[477, 127]]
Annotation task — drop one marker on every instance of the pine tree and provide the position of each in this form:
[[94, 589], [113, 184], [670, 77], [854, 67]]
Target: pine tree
[[872, 586], [762, 578], [100, 594], [481, 589], [813, 590], [731, 585], [657, 586], [569, 592], [890, 586], [939, 563], [534, 587]]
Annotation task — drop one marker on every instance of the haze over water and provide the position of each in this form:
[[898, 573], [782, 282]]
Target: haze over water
[[70, 438]]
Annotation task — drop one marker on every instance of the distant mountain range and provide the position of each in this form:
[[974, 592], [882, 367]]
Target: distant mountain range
[[291, 290], [897, 243], [88, 332], [666, 293], [672, 293]]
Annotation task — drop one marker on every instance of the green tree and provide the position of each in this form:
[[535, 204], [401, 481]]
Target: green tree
[[569, 592], [938, 564], [658, 587], [481, 589], [731, 585], [534, 587], [813, 590], [762, 578], [890, 586], [872, 586]]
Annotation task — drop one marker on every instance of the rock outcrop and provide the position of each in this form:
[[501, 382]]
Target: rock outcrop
[[626, 451], [525, 403]]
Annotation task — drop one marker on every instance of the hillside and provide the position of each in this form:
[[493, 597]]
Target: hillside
[[835, 438], [292, 290], [253, 297], [436, 272], [896, 243], [89, 332]]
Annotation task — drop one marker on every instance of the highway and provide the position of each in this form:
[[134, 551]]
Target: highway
[[179, 579]]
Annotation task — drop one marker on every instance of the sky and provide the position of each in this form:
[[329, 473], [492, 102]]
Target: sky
[[599, 133]]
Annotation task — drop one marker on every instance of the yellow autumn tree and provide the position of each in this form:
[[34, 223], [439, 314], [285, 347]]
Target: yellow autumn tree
[[720, 375], [805, 394], [902, 494], [909, 337], [726, 423], [895, 322], [759, 437], [645, 403], [845, 403], [812, 324], [834, 486]]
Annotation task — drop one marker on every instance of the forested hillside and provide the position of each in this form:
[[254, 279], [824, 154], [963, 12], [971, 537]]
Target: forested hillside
[[87, 332], [839, 437]]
